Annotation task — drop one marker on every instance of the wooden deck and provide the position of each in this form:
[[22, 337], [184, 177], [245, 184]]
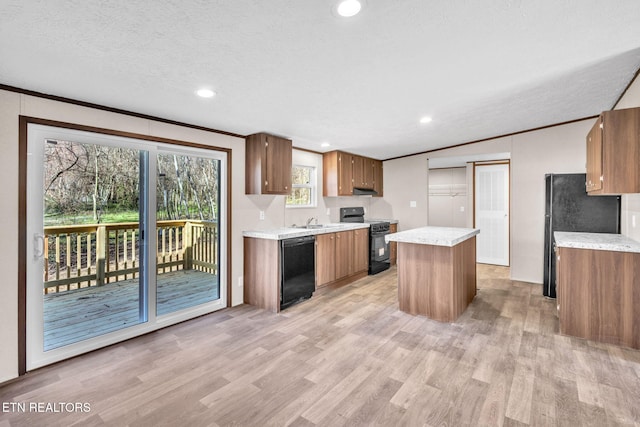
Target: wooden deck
[[73, 316]]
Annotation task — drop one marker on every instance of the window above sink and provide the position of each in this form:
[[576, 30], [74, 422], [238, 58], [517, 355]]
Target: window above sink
[[303, 187]]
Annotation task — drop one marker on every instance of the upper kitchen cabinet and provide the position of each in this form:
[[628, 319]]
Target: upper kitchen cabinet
[[377, 177], [613, 153], [337, 174], [267, 164], [342, 172], [362, 172]]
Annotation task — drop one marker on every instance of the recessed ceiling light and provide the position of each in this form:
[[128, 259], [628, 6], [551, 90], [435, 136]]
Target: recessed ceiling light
[[425, 120], [206, 93], [349, 8], [325, 144]]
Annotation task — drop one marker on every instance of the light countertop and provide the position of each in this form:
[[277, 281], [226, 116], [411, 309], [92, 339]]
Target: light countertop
[[438, 236], [290, 232], [597, 241]]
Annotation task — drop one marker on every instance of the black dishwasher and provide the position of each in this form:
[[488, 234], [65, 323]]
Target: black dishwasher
[[298, 279]]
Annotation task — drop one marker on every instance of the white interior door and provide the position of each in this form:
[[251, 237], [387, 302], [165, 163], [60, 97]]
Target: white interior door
[[492, 213]]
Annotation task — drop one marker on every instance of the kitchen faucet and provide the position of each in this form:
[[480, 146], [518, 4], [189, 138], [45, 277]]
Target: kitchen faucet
[[311, 219]]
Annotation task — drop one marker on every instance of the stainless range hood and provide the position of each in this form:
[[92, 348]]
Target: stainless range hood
[[364, 192]]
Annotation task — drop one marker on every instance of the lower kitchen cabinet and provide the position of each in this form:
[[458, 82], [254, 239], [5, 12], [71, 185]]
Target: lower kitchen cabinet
[[344, 254], [598, 295], [342, 257], [325, 256], [262, 273], [360, 250], [393, 246]]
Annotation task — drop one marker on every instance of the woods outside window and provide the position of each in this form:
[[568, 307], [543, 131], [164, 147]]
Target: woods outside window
[[303, 187]]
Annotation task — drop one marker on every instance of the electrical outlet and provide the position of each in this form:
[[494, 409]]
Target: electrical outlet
[[412, 204], [633, 221], [461, 208], [261, 215], [328, 211]]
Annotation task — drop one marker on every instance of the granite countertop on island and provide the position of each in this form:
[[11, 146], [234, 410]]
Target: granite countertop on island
[[596, 241], [437, 236], [292, 232]]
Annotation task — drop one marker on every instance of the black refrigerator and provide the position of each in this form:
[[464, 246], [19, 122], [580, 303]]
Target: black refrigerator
[[569, 208]]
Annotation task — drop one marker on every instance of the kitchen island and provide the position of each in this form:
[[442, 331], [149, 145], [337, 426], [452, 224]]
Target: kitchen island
[[436, 271]]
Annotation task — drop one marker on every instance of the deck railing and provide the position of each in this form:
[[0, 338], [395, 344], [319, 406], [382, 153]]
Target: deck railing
[[79, 256]]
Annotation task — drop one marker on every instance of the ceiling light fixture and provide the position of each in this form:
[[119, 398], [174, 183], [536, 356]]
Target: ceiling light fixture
[[325, 144], [349, 8], [425, 120], [205, 93]]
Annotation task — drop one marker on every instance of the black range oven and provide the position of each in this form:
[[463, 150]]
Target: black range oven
[[378, 248]]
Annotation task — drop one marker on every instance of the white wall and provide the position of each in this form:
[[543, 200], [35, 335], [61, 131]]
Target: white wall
[[559, 149], [12, 105], [9, 110], [405, 180]]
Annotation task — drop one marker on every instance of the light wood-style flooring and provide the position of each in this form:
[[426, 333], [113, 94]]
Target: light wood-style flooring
[[349, 357]]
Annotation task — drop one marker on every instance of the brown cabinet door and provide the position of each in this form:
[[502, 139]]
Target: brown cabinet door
[[345, 174], [267, 164], [344, 254], [368, 177], [362, 172], [360, 250], [620, 142], [377, 177], [325, 259], [594, 157], [358, 171], [277, 171], [613, 153], [393, 246]]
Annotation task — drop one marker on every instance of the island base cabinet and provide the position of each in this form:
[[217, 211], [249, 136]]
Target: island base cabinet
[[599, 295], [438, 282]]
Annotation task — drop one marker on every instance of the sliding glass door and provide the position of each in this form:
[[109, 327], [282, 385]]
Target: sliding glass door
[[108, 258], [188, 195]]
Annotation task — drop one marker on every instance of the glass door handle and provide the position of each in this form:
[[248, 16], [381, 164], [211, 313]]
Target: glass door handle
[[38, 246]]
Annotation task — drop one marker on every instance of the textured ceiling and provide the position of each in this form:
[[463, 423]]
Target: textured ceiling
[[292, 68]]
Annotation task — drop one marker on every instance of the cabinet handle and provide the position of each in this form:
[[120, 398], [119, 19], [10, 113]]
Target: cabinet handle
[[266, 183], [286, 188], [601, 178]]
